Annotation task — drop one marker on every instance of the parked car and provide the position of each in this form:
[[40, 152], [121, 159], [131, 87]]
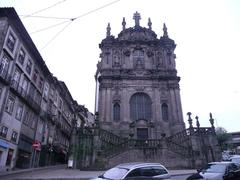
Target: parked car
[[136, 171], [235, 159], [218, 171]]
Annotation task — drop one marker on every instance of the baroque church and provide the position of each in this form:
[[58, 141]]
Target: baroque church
[[138, 107], [138, 92]]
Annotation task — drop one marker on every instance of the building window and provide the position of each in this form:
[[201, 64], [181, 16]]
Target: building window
[[165, 111], [51, 93], [60, 103], [116, 112], [19, 112], [35, 76], [29, 67], [138, 58], [45, 91], [140, 107], [16, 78], [25, 84], [4, 131], [34, 121], [55, 98], [38, 98], [32, 91], [4, 64], [10, 104], [40, 126], [26, 117], [11, 41], [14, 136], [40, 83], [21, 56]]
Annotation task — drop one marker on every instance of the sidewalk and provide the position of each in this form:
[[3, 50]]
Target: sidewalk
[[20, 171]]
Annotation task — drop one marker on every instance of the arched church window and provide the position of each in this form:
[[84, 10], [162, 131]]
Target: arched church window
[[138, 58], [165, 111], [140, 107], [116, 112]]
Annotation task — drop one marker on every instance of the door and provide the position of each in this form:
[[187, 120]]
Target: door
[[142, 133]]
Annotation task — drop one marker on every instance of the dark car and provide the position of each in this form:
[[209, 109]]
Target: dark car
[[136, 171], [218, 171]]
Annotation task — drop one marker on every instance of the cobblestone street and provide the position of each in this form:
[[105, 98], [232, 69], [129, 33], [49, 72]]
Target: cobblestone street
[[64, 173]]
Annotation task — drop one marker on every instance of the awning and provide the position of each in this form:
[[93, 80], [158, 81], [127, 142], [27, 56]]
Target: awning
[[4, 144]]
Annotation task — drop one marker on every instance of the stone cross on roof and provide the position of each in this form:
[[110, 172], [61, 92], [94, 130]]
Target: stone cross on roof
[[137, 18]]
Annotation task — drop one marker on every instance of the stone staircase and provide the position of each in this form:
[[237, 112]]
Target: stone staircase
[[116, 149]]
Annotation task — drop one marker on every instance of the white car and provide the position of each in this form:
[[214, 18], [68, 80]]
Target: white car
[[235, 159], [218, 171], [136, 171]]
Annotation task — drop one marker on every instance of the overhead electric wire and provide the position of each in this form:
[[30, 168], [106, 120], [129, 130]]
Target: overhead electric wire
[[54, 37], [46, 17], [73, 19], [49, 27], [41, 10], [49, 17], [87, 13]]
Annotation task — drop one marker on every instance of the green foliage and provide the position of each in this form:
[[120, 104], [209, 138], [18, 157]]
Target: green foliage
[[222, 137]]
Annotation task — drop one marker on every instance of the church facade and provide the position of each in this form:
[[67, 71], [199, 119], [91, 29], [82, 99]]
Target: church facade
[[138, 94]]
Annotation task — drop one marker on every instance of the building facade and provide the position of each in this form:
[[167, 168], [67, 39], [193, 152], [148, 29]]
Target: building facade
[[138, 91], [36, 109], [234, 141]]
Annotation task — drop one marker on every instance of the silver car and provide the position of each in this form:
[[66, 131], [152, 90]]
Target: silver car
[[235, 159], [218, 171], [136, 171]]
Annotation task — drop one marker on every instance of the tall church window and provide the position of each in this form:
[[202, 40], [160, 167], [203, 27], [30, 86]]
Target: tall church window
[[138, 58], [140, 107], [165, 111], [116, 112]]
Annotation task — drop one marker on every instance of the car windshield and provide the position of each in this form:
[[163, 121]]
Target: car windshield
[[215, 168], [115, 173]]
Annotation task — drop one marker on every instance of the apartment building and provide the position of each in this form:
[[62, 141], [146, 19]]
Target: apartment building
[[36, 109]]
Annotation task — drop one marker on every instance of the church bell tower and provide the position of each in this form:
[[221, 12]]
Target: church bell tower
[[138, 93]]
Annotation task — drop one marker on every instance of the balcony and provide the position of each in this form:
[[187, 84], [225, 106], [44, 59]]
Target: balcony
[[27, 97], [48, 116], [35, 106], [20, 91], [5, 76]]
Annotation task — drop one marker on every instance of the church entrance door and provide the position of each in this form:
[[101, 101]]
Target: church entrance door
[[142, 133]]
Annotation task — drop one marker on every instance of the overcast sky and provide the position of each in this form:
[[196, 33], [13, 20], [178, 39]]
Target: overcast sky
[[207, 34]]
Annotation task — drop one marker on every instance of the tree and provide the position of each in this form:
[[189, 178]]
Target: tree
[[222, 137]]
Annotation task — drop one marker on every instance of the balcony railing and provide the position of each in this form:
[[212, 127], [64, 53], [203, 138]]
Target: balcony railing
[[27, 97], [33, 103]]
